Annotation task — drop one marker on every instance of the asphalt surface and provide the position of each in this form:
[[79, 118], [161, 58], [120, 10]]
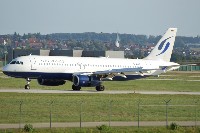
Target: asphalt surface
[[94, 124], [96, 92]]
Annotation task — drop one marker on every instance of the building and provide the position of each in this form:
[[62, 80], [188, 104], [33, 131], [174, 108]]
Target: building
[[14, 53]]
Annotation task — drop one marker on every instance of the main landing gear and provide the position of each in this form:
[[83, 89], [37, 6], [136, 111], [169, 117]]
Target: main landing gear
[[27, 86], [76, 88], [98, 88]]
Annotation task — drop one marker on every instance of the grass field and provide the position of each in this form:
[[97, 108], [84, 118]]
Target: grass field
[[95, 107]]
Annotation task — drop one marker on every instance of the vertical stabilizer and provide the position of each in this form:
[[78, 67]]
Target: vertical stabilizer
[[164, 47]]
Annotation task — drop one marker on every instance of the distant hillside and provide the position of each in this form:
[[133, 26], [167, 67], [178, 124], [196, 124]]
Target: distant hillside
[[125, 38], [104, 37]]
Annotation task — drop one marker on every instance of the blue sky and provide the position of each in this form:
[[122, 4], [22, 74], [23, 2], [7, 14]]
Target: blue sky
[[149, 17]]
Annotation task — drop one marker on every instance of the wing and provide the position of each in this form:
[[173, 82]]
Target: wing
[[120, 70], [109, 74]]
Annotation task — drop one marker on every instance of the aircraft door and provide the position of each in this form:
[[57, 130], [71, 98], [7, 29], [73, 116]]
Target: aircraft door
[[81, 66], [33, 63]]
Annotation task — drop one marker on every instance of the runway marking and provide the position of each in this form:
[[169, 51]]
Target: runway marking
[[97, 92]]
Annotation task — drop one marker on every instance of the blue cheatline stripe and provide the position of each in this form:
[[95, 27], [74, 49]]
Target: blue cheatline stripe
[[64, 76]]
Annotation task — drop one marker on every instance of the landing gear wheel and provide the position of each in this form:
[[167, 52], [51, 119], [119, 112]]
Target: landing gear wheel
[[76, 88], [100, 88], [27, 87]]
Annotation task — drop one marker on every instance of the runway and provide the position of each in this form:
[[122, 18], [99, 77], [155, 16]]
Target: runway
[[96, 92]]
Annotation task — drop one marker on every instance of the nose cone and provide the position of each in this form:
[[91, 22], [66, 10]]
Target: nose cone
[[6, 70]]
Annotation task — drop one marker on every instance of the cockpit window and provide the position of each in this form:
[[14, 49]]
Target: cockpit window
[[16, 62], [12, 62]]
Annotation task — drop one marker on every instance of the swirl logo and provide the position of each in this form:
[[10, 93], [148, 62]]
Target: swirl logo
[[160, 47]]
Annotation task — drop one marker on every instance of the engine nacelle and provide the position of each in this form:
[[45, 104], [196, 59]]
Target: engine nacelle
[[51, 82], [85, 81]]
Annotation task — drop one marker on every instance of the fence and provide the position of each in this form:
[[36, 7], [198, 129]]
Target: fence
[[189, 68], [80, 111]]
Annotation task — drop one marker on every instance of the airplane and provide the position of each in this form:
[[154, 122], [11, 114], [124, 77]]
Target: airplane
[[92, 71]]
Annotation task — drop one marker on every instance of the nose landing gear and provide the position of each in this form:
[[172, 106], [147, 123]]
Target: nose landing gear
[[27, 86]]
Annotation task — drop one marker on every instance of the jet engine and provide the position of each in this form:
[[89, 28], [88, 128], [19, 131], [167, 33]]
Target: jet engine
[[51, 82], [85, 80]]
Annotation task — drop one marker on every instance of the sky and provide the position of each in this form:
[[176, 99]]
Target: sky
[[146, 17]]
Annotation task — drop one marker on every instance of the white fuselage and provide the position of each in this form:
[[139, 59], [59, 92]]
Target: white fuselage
[[35, 66]]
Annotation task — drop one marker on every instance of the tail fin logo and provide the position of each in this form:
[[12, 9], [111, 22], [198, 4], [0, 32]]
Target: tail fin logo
[[160, 47]]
